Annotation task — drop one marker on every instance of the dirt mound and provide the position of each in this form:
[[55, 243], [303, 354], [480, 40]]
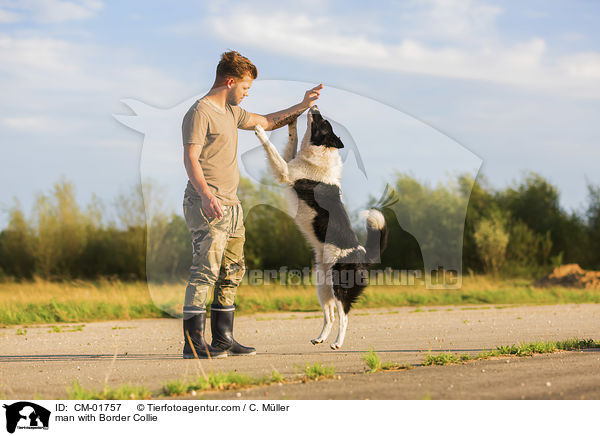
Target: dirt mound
[[572, 276]]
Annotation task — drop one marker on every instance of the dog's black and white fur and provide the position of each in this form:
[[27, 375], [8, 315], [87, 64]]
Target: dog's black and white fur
[[313, 176]]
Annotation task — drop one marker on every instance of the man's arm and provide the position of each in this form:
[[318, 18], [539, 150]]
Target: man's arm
[[279, 119], [210, 204]]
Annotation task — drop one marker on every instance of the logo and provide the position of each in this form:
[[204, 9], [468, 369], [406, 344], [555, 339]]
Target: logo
[[26, 415], [382, 145]]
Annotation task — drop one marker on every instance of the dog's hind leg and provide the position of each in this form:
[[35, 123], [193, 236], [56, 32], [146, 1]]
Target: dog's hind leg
[[328, 305], [290, 149], [343, 325], [325, 294]]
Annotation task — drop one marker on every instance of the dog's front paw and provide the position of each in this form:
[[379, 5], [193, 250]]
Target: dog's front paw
[[316, 341], [335, 346], [260, 133]]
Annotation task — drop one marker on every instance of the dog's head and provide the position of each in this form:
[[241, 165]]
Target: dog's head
[[319, 131]]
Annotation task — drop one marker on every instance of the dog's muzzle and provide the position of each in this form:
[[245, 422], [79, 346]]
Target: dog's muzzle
[[314, 114]]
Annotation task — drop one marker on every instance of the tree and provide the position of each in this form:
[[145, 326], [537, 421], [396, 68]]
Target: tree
[[592, 216], [527, 250], [492, 238], [60, 231], [535, 202], [16, 246], [482, 204]]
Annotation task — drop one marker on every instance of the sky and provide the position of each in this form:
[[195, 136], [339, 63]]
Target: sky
[[430, 87]]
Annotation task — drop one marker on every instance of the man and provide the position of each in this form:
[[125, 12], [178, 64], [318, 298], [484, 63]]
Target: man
[[211, 207]]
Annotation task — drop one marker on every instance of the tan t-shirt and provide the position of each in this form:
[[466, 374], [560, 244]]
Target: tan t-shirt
[[216, 131]]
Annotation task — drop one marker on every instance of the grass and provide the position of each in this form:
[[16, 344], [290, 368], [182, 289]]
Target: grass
[[317, 372], [219, 382], [375, 364], [45, 302], [61, 329], [40, 301], [228, 381], [520, 350], [125, 392], [441, 359], [372, 361], [212, 382]]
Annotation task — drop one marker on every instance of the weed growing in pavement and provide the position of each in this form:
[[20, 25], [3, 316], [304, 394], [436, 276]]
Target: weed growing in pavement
[[372, 360], [125, 392], [221, 381], [61, 329], [523, 349], [276, 377], [441, 359], [375, 364], [318, 371], [212, 382], [577, 344]]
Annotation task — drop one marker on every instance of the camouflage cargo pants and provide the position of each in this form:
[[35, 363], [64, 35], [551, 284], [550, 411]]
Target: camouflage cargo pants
[[218, 255]]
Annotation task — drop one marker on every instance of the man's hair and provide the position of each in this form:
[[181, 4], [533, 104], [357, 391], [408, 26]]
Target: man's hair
[[234, 65]]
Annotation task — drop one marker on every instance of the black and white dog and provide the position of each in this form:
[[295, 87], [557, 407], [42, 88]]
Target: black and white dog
[[313, 176]]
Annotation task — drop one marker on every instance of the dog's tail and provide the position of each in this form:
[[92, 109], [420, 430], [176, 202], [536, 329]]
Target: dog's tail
[[377, 233]]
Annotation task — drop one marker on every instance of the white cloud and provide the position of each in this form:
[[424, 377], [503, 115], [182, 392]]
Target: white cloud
[[535, 14], [28, 123], [582, 65], [463, 20], [8, 17], [51, 63], [41, 54], [55, 11], [467, 53], [89, 79], [572, 36], [37, 122]]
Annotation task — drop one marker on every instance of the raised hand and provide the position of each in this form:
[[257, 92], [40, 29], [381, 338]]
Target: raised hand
[[312, 95]]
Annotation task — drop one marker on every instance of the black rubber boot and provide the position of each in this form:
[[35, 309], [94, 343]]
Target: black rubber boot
[[221, 326], [195, 346]]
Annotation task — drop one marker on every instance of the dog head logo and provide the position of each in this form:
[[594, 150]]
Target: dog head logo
[[26, 415], [380, 144]]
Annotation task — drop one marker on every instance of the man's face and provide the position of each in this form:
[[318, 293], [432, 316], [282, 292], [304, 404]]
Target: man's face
[[239, 90]]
